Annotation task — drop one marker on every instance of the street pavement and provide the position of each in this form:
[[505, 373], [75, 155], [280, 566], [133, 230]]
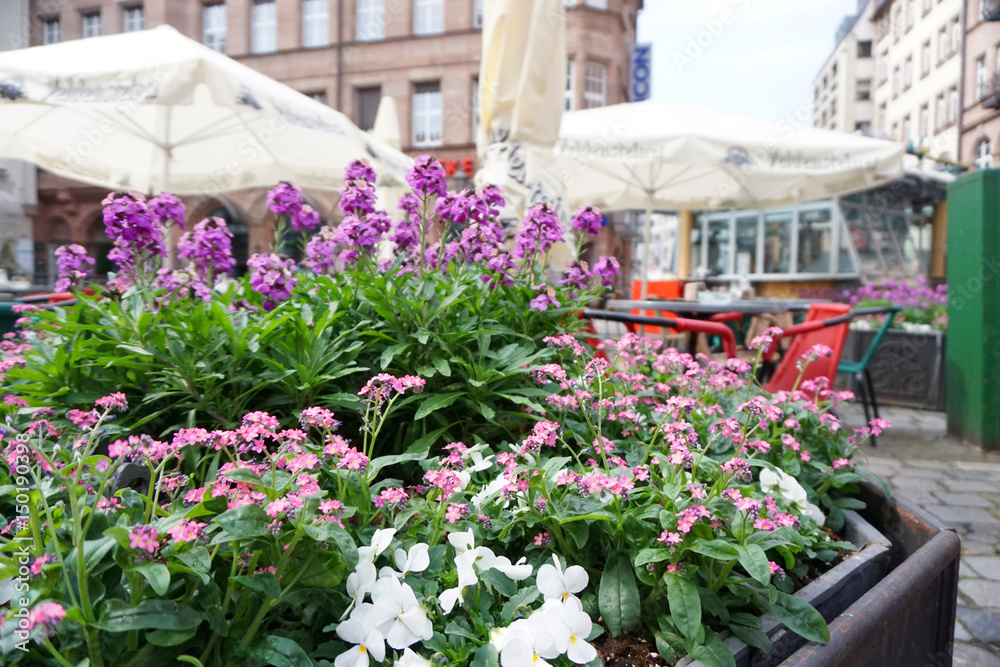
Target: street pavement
[[959, 484]]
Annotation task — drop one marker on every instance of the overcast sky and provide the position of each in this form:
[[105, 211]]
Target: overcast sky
[[749, 57]]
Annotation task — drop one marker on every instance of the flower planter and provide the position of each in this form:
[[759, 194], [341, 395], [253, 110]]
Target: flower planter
[[886, 605], [830, 594], [907, 369]]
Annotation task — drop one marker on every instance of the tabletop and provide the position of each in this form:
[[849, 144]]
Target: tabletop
[[749, 307]]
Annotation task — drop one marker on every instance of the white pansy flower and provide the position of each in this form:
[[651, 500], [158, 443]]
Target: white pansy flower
[[518, 571], [359, 583], [411, 659], [782, 484], [554, 583], [465, 563], [479, 462], [397, 614], [489, 491], [462, 541], [380, 542], [369, 642], [415, 560]]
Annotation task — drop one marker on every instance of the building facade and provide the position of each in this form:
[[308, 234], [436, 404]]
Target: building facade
[[842, 91], [980, 131], [425, 54], [918, 65]]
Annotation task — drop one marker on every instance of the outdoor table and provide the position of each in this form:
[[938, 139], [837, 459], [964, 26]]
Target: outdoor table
[[699, 309]]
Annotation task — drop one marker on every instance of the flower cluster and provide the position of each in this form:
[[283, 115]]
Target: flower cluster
[[72, 262], [286, 201], [273, 276]]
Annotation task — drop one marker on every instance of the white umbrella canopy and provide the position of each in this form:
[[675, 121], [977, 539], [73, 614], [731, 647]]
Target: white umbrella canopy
[[651, 155], [154, 111], [631, 156]]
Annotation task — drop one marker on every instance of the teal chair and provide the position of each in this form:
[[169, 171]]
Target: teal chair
[[859, 369]]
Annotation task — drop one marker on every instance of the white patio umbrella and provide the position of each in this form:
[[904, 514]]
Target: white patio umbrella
[[651, 155], [522, 83], [155, 111]]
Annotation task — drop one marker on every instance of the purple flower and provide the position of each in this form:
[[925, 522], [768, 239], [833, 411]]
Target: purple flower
[[577, 276], [273, 277], [321, 252], [71, 261], [427, 177], [360, 170], [286, 200], [608, 269], [546, 297], [136, 233], [357, 197], [588, 219], [539, 231], [209, 246], [406, 233], [167, 208], [359, 234], [457, 207]]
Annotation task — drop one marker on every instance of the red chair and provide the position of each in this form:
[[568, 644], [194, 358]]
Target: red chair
[[825, 324], [632, 322]]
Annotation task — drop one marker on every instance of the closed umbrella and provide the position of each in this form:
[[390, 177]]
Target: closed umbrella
[[155, 111], [651, 155]]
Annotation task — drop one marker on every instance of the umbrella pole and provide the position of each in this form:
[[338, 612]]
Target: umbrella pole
[[646, 251]]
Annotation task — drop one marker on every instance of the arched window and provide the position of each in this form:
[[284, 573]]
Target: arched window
[[241, 236], [98, 246], [984, 154]]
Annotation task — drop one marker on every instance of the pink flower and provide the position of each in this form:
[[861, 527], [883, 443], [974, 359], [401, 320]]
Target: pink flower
[[47, 615], [776, 569], [456, 511], [879, 425], [143, 538], [115, 401], [393, 496], [186, 531], [306, 461], [541, 539], [766, 339], [318, 417], [841, 463], [670, 538]]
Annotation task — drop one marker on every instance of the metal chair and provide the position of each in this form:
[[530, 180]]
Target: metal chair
[[826, 324], [859, 369]]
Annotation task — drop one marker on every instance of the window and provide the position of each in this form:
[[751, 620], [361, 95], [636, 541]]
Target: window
[[925, 58], [595, 92], [427, 114], [92, 24], [942, 112], [911, 13], [863, 127], [51, 30], [213, 27], [864, 89], [596, 4], [956, 35], [908, 72], [570, 84], [925, 123], [897, 22], [133, 18], [883, 69], [897, 81], [319, 96], [981, 79], [815, 241], [477, 13], [984, 154], [428, 17], [883, 122], [475, 108], [928, 6], [719, 247], [367, 106], [370, 20], [315, 23], [777, 243], [263, 27], [746, 245], [942, 44], [907, 130], [865, 49], [894, 135], [953, 105]]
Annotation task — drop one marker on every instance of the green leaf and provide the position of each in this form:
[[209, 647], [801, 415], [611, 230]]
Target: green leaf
[[486, 656], [280, 652], [754, 560], [170, 637], [685, 605], [651, 556], [198, 559], [500, 582], [713, 653], [442, 366], [800, 617], [377, 464], [147, 615], [264, 582], [522, 598], [244, 521], [435, 402], [751, 637], [243, 475], [717, 549], [424, 444], [618, 597], [189, 660], [157, 575]]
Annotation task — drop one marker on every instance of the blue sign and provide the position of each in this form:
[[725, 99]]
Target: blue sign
[[639, 78]]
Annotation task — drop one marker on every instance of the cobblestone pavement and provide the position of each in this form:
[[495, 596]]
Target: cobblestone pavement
[[959, 484]]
